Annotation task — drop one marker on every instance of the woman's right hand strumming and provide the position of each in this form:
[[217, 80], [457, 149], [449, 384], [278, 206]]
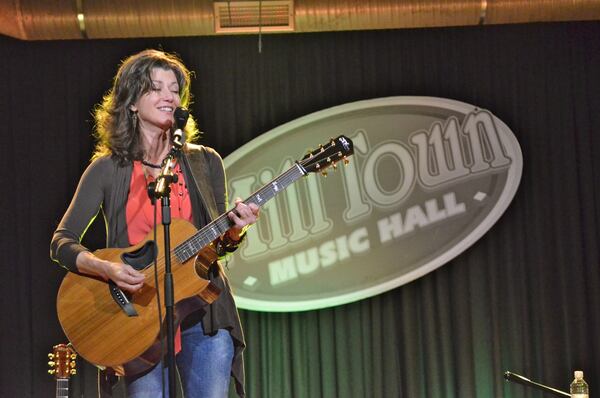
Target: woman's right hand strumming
[[124, 276]]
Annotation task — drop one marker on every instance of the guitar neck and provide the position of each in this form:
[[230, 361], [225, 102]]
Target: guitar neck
[[221, 224], [62, 388]]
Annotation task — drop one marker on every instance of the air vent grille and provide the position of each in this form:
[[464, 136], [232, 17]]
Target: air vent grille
[[252, 16]]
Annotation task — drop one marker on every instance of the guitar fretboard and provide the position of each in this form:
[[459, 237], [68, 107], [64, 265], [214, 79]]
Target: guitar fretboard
[[221, 224], [62, 388]]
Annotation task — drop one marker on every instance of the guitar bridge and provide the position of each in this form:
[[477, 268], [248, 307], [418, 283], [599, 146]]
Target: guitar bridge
[[121, 299]]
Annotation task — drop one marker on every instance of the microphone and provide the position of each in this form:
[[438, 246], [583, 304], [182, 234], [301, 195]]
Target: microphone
[[181, 116], [166, 175]]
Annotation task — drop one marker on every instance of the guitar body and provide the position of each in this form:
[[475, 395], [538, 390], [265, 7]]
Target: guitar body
[[99, 328]]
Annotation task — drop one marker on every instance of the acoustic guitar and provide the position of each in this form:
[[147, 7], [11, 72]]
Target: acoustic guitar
[[62, 366], [112, 329]]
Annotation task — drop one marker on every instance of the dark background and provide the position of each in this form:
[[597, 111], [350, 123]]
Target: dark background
[[524, 298]]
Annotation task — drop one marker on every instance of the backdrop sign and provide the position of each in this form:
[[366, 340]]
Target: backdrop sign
[[429, 176]]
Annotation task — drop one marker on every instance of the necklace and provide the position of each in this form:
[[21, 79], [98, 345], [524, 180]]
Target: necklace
[[154, 166]]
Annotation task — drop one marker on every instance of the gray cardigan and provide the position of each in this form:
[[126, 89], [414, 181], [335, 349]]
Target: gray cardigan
[[104, 186]]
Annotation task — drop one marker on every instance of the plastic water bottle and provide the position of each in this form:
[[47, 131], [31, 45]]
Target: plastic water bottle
[[579, 388]]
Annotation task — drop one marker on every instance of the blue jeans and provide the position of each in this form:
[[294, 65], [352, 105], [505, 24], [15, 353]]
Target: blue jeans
[[204, 365]]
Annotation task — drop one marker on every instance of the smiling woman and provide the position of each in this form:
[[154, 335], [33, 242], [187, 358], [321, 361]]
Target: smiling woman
[[148, 77], [154, 114], [134, 126], [155, 107]]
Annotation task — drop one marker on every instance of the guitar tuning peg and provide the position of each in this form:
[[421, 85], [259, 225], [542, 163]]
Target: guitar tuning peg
[[321, 147], [51, 363], [334, 165], [72, 364], [51, 371], [317, 166], [73, 356], [324, 173], [73, 371], [346, 161], [51, 356]]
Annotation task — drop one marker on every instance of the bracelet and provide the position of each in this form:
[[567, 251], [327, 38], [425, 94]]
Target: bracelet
[[227, 245]]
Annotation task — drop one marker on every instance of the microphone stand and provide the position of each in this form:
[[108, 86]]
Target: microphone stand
[[526, 382], [162, 190]]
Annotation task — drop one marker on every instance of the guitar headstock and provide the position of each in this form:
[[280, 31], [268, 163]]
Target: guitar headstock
[[328, 155], [62, 361]]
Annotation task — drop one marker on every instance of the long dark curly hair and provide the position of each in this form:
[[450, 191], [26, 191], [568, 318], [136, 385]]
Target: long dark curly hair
[[115, 125]]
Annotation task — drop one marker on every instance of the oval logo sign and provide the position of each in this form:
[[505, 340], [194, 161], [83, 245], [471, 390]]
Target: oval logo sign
[[428, 177]]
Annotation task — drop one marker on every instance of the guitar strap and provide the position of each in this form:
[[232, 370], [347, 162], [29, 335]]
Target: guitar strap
[[198, 167]]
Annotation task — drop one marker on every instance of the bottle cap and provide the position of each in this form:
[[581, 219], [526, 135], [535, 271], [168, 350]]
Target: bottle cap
[[579, 374]]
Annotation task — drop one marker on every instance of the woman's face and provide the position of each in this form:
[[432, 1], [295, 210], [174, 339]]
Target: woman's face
[[155, 108]]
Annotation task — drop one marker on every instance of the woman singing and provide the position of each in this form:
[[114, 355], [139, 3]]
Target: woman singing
[[134, 125]]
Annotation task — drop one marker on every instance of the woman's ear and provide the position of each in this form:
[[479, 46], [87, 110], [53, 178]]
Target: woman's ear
[[133, 108]]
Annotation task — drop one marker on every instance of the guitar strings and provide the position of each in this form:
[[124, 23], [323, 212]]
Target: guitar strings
[[211, 231]]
